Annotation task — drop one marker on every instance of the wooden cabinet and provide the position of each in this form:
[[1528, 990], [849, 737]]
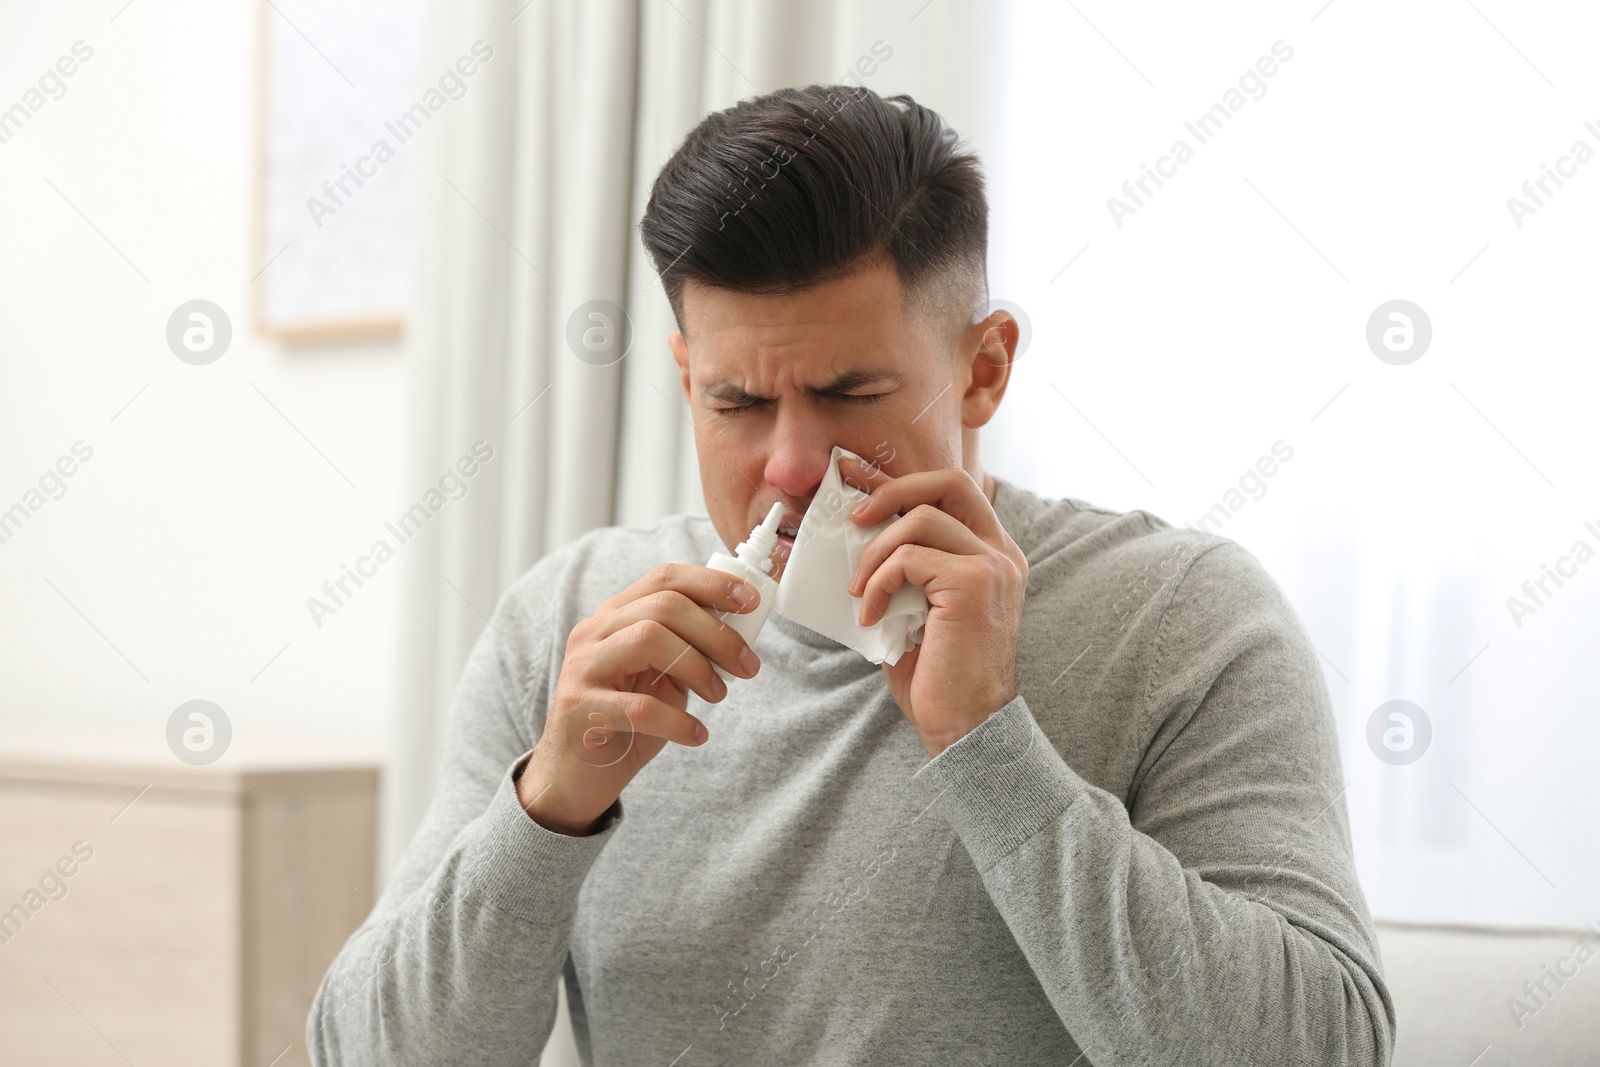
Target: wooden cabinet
[[160, 914]]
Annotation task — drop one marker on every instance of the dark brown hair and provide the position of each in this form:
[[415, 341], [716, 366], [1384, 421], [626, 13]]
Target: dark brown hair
[[806, 185]]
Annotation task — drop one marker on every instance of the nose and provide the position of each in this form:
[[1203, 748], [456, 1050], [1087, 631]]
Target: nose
[[798, 456]]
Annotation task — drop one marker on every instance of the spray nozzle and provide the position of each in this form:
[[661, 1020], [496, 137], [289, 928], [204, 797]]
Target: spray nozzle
[[756, 549]]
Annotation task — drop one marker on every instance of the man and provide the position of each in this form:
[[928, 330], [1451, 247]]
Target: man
[[1094, 817]]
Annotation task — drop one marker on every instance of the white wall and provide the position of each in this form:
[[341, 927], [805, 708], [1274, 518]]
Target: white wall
[[178, 563]]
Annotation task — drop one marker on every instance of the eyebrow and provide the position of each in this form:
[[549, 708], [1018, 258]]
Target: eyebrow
[[729, 393]]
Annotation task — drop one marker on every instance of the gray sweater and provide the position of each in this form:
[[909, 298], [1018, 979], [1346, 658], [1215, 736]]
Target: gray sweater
[[1144, 858]]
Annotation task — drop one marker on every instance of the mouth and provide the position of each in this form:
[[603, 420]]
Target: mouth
[[786, 535]]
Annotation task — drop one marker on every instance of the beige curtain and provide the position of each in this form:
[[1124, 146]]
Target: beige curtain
[[528, 194]]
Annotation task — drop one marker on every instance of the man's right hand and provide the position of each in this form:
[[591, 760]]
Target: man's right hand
[[624, 684]]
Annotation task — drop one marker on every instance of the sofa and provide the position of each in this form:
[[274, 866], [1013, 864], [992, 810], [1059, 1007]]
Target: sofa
[[1493, 997]]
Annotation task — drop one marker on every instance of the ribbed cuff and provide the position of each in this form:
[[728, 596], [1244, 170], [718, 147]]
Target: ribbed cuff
[[523, 868], [1000, 784]]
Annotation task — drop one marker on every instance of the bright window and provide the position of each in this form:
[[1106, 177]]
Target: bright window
[[1438, 524]]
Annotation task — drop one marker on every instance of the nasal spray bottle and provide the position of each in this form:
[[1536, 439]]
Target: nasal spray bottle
[[754, 565]]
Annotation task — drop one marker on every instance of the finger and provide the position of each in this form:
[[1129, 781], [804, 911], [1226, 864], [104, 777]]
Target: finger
[[864, 475], [710, 588], [906, 565], [649, 648], [702, 627], [607, 714], [951, 490], [923, 525]]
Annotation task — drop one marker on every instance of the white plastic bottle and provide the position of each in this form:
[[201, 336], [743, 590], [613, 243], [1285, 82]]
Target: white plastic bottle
[[753, 564]]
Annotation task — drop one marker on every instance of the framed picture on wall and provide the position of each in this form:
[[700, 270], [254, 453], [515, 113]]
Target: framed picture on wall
[[333, 169]]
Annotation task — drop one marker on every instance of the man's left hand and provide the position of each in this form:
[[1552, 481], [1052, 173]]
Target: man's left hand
[[948, 540]]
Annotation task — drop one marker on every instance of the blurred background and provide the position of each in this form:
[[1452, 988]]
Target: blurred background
[[271, 270]]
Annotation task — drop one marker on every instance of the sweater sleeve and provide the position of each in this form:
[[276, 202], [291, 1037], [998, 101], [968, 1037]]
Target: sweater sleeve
[[459, 960], [1216, 916]]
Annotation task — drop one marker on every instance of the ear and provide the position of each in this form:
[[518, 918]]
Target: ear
[[680, 354], [986, 352]]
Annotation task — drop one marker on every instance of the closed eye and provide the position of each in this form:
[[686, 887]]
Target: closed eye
[[856, 397]]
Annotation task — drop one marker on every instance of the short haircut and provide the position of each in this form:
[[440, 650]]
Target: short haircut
[[783, 192]]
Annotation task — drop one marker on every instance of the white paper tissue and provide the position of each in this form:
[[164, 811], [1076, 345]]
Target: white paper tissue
[[827, 548]]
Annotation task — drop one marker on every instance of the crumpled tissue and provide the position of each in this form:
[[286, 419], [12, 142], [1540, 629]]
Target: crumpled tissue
[[814, 590]]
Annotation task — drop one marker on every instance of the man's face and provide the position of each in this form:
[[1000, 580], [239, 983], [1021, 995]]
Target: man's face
[[766, 379]]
